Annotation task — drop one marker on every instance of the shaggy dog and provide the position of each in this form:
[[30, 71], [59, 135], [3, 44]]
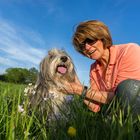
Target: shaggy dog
[[55, 69]]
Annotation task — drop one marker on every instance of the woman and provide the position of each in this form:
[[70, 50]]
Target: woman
[[116, 70]]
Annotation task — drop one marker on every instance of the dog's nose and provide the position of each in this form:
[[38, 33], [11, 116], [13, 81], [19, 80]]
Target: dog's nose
[[64, 58]]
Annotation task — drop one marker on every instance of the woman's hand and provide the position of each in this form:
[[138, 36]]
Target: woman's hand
[[93, 106], [72, 87]]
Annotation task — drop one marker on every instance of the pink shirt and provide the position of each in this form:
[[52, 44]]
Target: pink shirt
[[124, 64]]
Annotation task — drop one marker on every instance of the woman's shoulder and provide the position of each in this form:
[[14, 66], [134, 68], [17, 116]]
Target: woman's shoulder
[[125, 46]]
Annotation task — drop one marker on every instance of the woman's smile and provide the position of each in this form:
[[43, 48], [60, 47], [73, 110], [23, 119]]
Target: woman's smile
[[91, 52]]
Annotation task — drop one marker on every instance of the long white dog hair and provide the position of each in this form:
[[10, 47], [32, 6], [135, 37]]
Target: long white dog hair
[[55, 69]]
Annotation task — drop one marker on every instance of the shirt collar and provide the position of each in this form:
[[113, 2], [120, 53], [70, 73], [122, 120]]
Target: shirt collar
[[112, 61]]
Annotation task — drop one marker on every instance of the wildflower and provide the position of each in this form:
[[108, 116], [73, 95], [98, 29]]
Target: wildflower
[[25, 94], [71, 131], [20, 108], [69, 98], [33, 92], [26, 90], [30, 84]]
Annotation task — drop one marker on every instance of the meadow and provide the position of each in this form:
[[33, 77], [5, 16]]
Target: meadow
[[18, 123]]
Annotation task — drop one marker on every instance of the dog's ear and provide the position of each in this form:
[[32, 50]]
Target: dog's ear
[[42, 67], [44, 70], [43, 79], [41, 92], [39, 79]]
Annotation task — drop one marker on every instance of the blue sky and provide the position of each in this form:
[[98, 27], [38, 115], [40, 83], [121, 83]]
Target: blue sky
[[29, 28]]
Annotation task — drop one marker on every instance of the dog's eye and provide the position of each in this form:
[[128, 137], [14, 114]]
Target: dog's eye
[[51, 56]]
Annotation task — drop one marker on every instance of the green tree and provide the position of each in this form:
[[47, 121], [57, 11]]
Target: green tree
[[16, 75], [21, 75], [2, 77], [33, 72]]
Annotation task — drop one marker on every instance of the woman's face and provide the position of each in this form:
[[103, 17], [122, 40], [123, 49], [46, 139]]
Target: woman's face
[[94, 50]]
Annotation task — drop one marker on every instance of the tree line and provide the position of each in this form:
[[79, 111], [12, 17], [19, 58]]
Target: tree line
[[19, 75]]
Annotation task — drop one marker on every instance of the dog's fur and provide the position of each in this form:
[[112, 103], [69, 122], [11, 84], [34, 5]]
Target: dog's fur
[[55, 69]]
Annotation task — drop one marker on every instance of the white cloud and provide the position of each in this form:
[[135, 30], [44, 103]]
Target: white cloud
[[7, 61], [19, 46]]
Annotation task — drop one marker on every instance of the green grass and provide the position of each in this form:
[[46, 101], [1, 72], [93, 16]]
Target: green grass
[[111, 123]]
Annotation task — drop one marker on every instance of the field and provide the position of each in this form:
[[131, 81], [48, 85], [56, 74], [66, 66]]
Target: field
[[18, 123]]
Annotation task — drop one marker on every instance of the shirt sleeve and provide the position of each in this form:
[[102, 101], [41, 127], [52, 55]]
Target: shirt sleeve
[[129, 65]]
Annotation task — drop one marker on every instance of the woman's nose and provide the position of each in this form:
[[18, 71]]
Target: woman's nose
[[87, 46]]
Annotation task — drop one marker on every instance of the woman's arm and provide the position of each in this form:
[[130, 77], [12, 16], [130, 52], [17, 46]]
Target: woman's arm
[[99, 96], [92, 95], [93, 99]]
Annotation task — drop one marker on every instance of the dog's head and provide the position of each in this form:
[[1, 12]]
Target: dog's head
[[57, 66]]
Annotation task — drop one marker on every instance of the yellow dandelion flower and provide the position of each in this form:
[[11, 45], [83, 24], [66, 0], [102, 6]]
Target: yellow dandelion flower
[[71, 131]]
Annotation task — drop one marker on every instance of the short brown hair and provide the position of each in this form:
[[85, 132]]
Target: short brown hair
[[92, 29]]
